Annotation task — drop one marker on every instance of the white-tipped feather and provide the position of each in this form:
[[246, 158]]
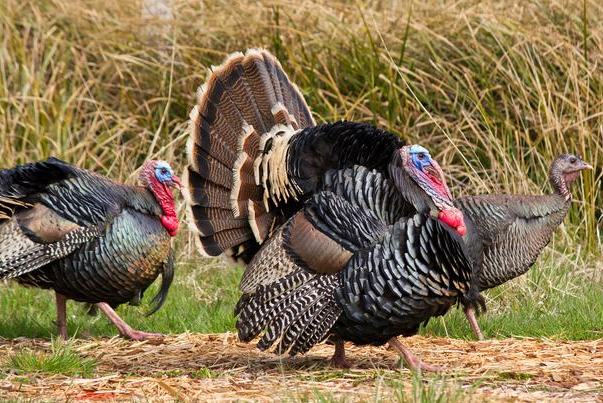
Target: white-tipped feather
[[186, 194], [201, 90], [270, 169], [193, 128], [253, 223], [248, 130], [236, 183]]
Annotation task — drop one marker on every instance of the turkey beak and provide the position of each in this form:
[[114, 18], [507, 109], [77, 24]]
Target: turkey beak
[[587, 165], [176, 182]]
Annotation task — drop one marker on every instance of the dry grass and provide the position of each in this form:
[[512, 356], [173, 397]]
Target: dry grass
[[216, 367], [495, 88]]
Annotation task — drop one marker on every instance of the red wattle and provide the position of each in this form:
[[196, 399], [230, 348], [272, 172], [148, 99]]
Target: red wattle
[[461, 230], [170, 223], [164, 197], [454, 219]]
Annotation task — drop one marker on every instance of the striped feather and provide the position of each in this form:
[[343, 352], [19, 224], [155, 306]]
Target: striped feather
[[242, 99]]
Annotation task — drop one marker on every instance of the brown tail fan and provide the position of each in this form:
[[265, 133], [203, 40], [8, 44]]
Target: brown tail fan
[[244, 101]]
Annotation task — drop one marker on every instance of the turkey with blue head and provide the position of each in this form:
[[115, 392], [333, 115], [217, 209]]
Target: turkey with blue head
[[347, 233], [87, 237]]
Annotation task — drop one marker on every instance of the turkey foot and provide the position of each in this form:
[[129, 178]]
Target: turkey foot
[[473, 322], [61, 315], [338, 360], [412, 361], [124, 329]]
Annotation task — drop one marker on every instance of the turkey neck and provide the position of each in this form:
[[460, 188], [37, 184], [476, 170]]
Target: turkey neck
[[410, 190], [561, 182], [164, 197]]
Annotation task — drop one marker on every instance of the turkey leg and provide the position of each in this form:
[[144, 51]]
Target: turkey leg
[[61, 315], [473, 322], [338, 360], [124, 329], [412, 361]]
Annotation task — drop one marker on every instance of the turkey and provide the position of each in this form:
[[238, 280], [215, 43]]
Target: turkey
[[506, 233], [259, 166], [87, 237], [358, 264], [255, 155]]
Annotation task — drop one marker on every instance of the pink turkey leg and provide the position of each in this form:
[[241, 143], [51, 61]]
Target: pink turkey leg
[[61, 315], [473, 322], [124, 329], [338, 360], [412, 361]]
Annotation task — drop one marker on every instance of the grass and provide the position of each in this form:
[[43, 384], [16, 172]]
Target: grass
[[546, 303], [201, 300], [495, 89], [62, 359], [488, 87]]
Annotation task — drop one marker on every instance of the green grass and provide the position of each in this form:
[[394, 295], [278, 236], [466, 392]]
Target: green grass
[[545, 303], [201, 300], [548, 301], [62, 359]]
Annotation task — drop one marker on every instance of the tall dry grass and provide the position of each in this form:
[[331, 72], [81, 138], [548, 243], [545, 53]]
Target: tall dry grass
[[496, 89]]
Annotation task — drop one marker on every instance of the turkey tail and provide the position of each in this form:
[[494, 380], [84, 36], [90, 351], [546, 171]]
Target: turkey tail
[[33, 177], [246, 113], [27, 179], [167, 277]]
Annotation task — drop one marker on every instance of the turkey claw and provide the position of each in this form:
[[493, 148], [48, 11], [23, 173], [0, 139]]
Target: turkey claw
[[153, 338]]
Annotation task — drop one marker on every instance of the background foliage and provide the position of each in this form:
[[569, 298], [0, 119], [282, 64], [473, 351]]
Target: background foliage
[[495, 89]]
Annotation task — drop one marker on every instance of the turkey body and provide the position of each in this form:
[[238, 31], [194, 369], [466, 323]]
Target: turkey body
[[336, 221], [82, 235], [507, 233], [116, 267], [354, 264]]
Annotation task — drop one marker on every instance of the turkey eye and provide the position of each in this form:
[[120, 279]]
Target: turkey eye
[[421, 156], [163, 171], [572, 160]]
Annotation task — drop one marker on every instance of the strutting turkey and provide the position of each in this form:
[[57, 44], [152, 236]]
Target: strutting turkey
[[87, 237], [258, 179], [355, 264], [506, 233]]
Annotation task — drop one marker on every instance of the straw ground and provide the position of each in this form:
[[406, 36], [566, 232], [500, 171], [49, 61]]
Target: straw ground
[[216, 367]]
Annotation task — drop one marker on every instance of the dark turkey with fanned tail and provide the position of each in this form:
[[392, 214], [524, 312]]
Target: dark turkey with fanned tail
[[259, 177], [87, 237], [256, 154], [506, 233], [358, 263]]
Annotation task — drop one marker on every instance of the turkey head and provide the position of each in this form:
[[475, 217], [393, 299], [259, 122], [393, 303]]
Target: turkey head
[[421, 181], [564, 170], [158, 177]]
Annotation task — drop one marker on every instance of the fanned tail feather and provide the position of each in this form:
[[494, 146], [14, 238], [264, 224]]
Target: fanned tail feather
[[245, 103]]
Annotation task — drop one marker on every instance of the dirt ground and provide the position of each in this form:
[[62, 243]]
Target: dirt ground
[[218, 368]]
